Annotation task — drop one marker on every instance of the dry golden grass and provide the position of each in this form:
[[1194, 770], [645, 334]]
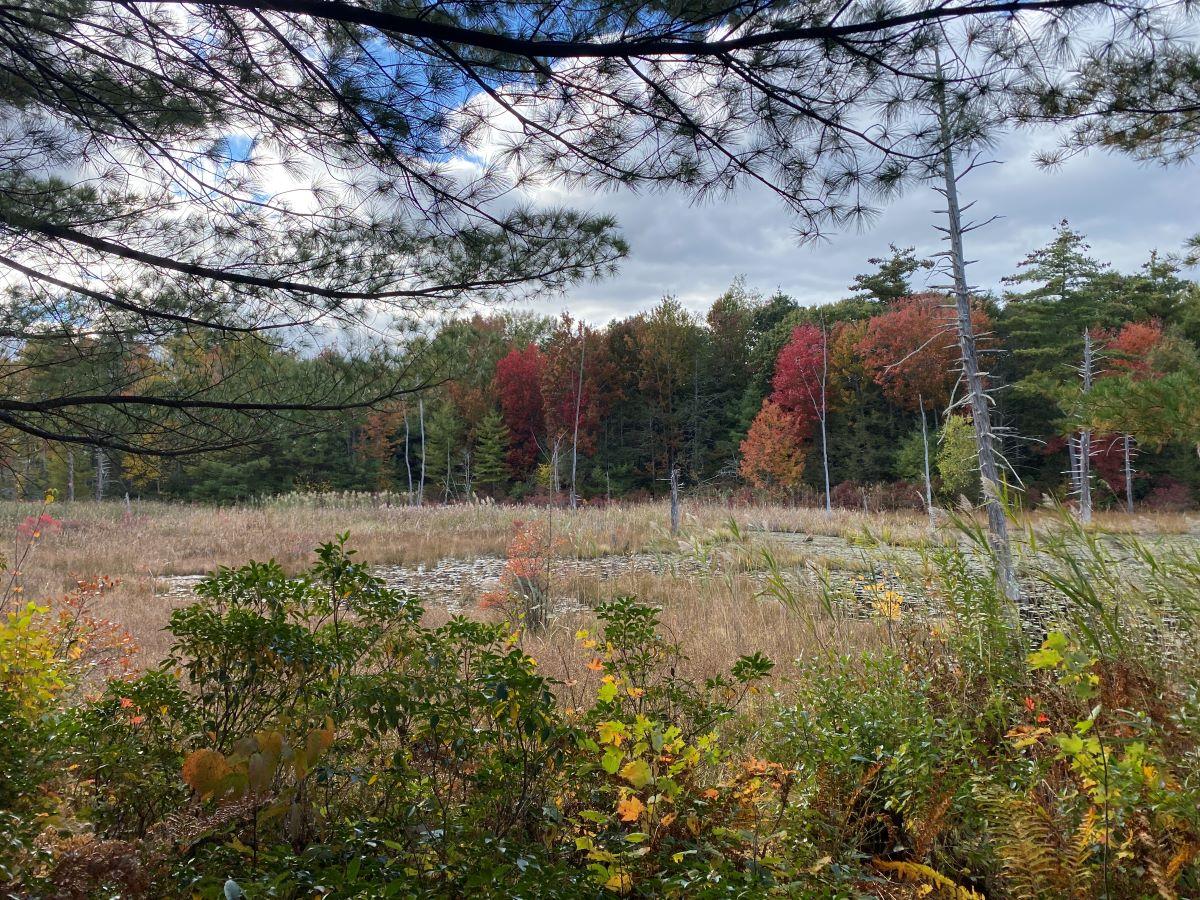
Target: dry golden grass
[[716, 618]]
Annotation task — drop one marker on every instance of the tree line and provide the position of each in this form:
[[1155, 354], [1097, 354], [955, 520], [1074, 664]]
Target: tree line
[[858, 402]]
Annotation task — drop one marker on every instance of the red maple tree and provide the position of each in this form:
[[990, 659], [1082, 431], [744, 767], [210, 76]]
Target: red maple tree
[[911, 351], [1128, 350], [801, 376], [519, 384]]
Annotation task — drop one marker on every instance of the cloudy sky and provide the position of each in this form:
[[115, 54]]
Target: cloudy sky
[[1125, 208]]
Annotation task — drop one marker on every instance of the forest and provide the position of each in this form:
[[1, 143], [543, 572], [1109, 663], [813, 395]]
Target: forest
[[741, 401]]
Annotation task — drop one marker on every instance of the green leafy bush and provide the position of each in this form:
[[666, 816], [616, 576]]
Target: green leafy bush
[[312, 735]]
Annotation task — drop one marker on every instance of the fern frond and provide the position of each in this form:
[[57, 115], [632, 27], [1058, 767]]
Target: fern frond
[[921, 874], [1040, 855], [1180, 860]]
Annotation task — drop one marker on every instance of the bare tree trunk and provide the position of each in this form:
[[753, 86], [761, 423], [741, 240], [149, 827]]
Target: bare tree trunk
[[1128, 476], [71, 476], [695, 413], [421, 487], [825, 413], [1073, 463], [575, 436], [925, 446], [101, 473], [1085, 439], [407, 461], [981, 414], [674, 498], [555, 459]]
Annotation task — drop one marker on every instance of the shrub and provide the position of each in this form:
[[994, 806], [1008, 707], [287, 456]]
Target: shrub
[[313, 735], [1168, 495], [524, 592]]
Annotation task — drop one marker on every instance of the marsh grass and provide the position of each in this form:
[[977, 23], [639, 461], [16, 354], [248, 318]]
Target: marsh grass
[[717, 614]]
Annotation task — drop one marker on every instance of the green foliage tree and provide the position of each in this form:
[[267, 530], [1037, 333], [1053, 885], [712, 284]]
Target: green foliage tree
[[444, 444], [489, 466], [956, 461]]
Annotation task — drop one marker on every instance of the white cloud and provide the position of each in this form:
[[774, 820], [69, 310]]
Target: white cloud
[[1125, 208]]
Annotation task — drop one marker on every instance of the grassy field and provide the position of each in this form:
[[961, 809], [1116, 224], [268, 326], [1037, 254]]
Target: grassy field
[[710, 602], [793, 703]]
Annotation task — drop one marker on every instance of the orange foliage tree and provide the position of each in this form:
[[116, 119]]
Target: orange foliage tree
[[1129, 350], [774, 449]]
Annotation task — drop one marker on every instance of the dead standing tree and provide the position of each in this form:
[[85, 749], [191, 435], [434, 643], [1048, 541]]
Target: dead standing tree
[[823, 417], [972, 373], [925, 452], [575, 429], [1083, 447]]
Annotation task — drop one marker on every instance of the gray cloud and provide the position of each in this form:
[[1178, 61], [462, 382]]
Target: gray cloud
[[693, 251]]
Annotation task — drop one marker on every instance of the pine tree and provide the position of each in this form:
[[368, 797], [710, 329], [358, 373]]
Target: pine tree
[[1065, 292], [491, 447], [445, 438], [892, 278]]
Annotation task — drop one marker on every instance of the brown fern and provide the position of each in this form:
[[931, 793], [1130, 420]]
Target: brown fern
[[1040, 854], [921, 874]]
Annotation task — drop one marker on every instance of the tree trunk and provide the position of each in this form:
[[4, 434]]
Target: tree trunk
[[674, 499], [981, 415], [925, 446], [555, 456], [824, 414], [1128, 476], [696, 414], [1085, 440], [71, 476], [101, 473], [421, 486], [575, 436]]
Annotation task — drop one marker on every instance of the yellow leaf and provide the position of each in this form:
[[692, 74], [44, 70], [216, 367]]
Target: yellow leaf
[[636, 772], [611, 733], [630, 809], [621, 882]]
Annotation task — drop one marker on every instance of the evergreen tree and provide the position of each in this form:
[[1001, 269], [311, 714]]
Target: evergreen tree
[[444, 441], [1065, 291], [726, 373], [489, 469], [892, 278], [1059, 271]]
